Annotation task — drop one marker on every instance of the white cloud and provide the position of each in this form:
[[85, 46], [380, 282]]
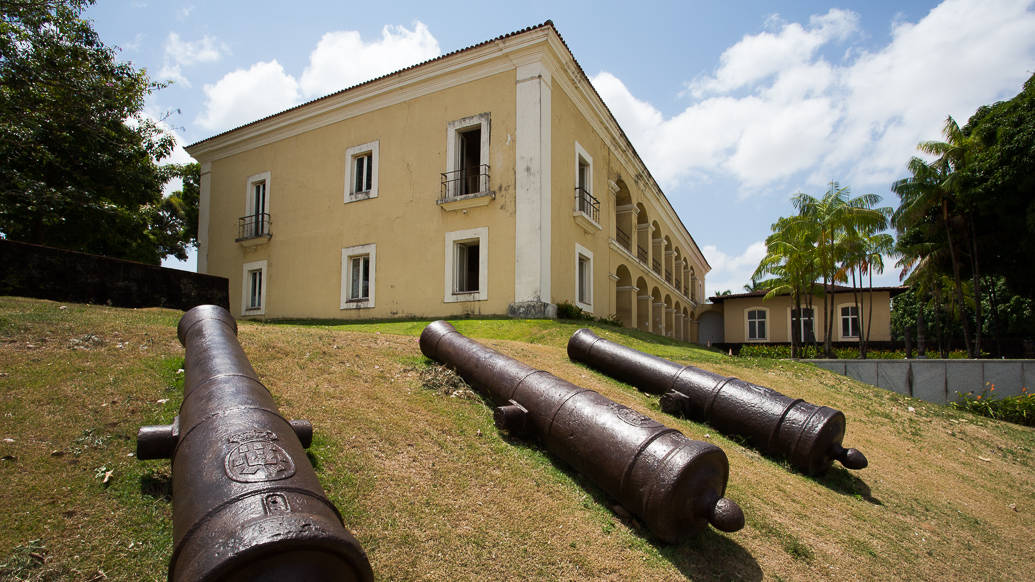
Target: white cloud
[[758, 57], [775, 112], [731, 272], [340, 59], [247, 95], [180, 53]]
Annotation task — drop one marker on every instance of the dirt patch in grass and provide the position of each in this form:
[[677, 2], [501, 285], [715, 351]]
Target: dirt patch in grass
[[434, 492]]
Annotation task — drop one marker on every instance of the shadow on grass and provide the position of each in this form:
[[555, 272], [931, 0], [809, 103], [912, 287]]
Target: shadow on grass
[[843, 481], [706, 555], [157, 484]]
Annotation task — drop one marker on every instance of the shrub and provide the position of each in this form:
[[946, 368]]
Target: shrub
[[566, 310], [1018, 409]]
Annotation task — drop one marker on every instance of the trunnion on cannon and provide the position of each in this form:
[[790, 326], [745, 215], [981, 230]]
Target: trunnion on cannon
[[809, 436], [246, 502], [672, 483]]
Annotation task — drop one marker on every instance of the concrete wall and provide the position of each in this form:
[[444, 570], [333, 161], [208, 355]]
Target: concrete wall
[[938, 381]]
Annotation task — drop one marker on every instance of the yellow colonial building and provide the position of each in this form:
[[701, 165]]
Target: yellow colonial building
[[492, 180]]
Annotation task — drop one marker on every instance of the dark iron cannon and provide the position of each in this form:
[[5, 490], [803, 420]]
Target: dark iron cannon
[[809, 436], [246, 502], [674, 484]]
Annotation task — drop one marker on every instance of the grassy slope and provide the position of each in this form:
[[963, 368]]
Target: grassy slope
[[434, 492]]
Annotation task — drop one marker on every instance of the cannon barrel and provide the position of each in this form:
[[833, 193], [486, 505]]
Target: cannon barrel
[[809, 436], [674, 484], [246, 502]]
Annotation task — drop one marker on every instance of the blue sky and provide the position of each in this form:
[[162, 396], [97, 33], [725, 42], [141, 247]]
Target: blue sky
[[734, 106]]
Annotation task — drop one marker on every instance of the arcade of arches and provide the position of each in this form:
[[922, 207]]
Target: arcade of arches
[[656, 284]]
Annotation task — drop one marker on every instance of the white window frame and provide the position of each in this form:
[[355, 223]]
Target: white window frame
[[262, 267], [249, 198], [790, 323], [580, 253], [747, 324], [373, 148], [461, 236], [347, 254], [840, 321], [581, 153], [453, 131]]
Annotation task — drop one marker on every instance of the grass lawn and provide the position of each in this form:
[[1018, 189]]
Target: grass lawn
[[434, 492]]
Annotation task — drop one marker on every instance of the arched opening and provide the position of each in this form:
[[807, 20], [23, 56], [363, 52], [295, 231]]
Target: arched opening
[[670, 326], [642, 305], [625, 212], [678, 326], [657, 248], [677, 270], [657, 312], [642, 234], [690, 325], [668, 261], [625, 297], [693, 285]]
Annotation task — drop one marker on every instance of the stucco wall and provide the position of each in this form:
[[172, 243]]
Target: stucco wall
[[311, 223], [778, 322]]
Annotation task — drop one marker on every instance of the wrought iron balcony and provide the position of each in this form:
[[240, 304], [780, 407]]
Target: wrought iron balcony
[[465, 182], [657, 266], [253, 226], [668, 276], [641, 253], [587, 204]]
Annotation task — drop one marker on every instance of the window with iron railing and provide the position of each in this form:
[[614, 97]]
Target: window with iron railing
[[465, 181], [587, 204], [253, 226]]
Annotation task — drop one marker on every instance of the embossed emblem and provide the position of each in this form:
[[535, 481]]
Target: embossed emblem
[[255, 457], [632, 417]]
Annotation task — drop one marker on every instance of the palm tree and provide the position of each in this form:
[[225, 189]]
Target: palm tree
[[835, 218], [934, 190], [789, 259]]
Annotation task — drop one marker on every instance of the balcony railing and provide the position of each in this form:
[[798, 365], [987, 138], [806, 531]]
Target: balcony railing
[[253, 226], [623, 238], [587, 204], [464, 182], [668, 276], [657, 266], [641, 253]]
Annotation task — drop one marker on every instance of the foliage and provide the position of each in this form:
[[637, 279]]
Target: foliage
[[966, 216], [566, 310], [78, 158], [830, 238], [812, 351], [1018, 409]]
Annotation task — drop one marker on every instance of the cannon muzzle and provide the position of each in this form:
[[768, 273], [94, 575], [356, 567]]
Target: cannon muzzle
[[246, 502], [674, 484], [809, 436]]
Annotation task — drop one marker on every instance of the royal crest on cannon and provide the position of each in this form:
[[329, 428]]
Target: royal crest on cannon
[[246, 502]]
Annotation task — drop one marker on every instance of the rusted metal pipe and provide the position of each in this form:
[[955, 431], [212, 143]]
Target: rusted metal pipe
[[246, 502], [809, 436], [674, 484]]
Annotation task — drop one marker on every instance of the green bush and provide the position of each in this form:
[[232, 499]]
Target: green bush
[[1018, 409], [566, 310]]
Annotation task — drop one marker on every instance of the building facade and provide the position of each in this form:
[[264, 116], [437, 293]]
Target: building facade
[[492, 180], [750, 318]]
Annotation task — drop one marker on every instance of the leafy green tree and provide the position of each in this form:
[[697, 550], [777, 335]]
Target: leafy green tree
[[790, 260], [78, 159]]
